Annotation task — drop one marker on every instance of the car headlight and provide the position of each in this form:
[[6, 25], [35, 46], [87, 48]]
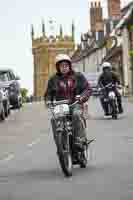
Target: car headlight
[[4, 93], [3, 90]]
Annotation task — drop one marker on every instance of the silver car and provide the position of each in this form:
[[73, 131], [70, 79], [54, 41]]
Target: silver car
[[9, 81], [93, 79]]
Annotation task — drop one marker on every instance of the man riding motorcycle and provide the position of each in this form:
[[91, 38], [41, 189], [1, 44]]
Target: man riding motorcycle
[[108, 76], [68, 84]]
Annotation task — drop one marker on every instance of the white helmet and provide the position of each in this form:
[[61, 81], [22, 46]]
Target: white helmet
[[62, 57], [106, 65]]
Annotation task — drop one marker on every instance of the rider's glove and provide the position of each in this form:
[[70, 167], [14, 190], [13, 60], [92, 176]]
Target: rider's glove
[[81, 99], [78, 97]]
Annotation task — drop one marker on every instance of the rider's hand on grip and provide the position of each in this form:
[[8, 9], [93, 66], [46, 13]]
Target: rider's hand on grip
[[78, 97], [81, 99]]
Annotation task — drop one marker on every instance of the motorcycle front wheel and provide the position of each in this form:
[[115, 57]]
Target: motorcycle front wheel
[[64, 155], [66, 163], [114, 110]]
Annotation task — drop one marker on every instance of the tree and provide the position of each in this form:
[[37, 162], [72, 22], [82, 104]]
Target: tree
[[24, 93]]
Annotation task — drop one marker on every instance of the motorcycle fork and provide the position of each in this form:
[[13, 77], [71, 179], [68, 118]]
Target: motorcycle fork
[[65, 137]]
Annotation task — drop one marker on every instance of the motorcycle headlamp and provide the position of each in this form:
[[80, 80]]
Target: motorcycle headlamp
[[61, 110], [111, 95]]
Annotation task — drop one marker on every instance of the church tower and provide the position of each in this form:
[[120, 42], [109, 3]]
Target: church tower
[[44, 50]]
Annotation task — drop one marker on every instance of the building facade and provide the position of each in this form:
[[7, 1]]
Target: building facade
[[122, 56], [44, 50], [88, 60], [126, 27]]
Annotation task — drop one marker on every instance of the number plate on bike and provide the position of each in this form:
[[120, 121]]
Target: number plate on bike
[[61, 110]]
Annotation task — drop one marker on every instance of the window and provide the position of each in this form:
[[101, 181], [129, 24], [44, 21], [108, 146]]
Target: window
[[11, 76], [4, 76]]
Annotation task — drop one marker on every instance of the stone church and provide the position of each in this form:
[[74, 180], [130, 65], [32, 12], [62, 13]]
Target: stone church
[[44, 50]]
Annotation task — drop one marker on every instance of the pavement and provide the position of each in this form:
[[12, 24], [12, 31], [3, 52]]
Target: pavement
[[29, 168], [130, 99]]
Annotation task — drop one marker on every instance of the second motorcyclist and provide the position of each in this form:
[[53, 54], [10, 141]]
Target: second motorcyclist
[[108, 76]]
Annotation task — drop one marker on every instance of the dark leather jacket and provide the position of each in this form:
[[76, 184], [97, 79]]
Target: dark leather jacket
[[60, 87], [111, 77]]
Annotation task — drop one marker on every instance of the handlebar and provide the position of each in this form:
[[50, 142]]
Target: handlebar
[[73, 104], [107, 86], [62, 102]]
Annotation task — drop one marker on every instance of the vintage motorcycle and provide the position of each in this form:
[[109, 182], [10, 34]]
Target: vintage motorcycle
[[108, 92], [67, 153]]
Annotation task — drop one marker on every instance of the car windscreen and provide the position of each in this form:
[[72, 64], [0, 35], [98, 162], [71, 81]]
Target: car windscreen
[[3, 76]]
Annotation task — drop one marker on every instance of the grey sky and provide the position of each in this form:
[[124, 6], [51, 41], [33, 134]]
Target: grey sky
[[15, 19]]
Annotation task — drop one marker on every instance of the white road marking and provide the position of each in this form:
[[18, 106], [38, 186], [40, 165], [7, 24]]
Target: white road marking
[[11, 156], [8, 158], [34, 142]]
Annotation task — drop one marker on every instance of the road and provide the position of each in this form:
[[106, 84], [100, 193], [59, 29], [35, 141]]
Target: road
[[29, 168]]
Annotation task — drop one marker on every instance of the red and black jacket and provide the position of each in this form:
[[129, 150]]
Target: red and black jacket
[[61, 87]]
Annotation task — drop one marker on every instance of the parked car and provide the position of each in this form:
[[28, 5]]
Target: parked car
[[2, 113], [93, 79], [10, 82]]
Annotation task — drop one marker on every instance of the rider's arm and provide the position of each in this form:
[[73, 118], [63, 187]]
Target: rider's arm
[[49, 94]]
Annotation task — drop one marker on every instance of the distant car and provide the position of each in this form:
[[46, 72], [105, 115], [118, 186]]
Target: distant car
[[93, 79], [10, 82]]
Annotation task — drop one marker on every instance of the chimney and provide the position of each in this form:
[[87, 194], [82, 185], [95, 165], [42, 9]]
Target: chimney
[[114, 9], [96, 18], [92, 17], [99, 18]]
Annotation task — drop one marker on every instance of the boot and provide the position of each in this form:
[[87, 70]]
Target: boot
[[79, 142]]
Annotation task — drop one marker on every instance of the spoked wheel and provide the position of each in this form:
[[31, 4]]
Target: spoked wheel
[[66, 163], [64, 155], [114, 110]]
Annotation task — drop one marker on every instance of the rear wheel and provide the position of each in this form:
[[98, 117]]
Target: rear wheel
[[84, 158]]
